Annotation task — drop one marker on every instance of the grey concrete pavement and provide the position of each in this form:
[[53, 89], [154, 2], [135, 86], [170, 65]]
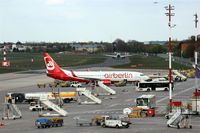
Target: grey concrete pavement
[[110, 105]]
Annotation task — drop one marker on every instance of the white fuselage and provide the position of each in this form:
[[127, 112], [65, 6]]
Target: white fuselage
[[109, 75]]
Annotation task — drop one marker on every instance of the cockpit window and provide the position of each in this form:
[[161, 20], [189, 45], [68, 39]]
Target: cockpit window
[[142, 75]]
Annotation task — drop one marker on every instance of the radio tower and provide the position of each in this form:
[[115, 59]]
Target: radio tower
[[5, 62], [169, 13]]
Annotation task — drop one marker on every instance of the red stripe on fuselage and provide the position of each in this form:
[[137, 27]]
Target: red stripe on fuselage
[[63, 76]]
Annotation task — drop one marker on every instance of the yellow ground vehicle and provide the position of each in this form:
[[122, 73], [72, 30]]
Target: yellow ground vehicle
[[40, 85], [145, 106], [65, 84], [136, 113], [190, 73], [121, 83], [53, 84], [66, 96]]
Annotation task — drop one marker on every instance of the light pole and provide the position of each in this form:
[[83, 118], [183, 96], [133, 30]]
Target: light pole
[[169, 13]]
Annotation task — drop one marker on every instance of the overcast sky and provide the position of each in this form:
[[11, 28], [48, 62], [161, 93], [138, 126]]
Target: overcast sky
[[94, 20]]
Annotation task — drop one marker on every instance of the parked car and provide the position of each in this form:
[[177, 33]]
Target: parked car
[[114, 122], [76, 84], [37, 107]]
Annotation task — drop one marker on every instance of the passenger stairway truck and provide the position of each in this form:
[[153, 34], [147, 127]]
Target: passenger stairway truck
[[43, 98], [172, 108], [16, 109], [59, 110], [89, 95], [108, 89], [182, 77], [179, 120], [11, 111]]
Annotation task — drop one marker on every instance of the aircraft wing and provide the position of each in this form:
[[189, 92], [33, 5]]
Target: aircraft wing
[[110, 55], [87, 78], [126, 55], [83, 77]]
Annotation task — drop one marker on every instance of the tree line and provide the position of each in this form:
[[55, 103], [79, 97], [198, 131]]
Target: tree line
[[118, 45]]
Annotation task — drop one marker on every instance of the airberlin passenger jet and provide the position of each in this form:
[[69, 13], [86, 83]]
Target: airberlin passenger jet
[[54, 71]]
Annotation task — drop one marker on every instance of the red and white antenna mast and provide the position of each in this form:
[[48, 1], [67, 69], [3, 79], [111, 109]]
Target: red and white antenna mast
[[196, 56], [169, 13], [196, 43], [5, 62]]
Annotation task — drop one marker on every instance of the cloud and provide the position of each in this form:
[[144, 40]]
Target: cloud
[[55, 2], [73, 15]]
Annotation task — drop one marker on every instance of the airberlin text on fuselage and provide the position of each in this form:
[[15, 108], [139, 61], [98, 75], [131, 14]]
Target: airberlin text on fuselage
[[118, 75]]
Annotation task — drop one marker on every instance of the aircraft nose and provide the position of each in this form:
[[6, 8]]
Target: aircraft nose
[[146, 77]]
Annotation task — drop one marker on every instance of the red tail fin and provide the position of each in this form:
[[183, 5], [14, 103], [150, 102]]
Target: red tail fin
[[51, 65], [54, 71]]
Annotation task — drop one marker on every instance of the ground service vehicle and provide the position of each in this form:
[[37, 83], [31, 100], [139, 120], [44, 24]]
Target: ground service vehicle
[[147, 103], [121, 83], [145, 106], [75, 84], [38, 107], [53, 84], [179, 120], [97, 120], [83, 121], [179, 76], [190, 73], [41, 85], [15, 97], [196, 102], [48, 122], [66, 96], [31, 97], [153, 85], [64, 84], [113, 122]]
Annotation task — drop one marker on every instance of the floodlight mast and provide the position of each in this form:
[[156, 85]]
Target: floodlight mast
[[169, 13]]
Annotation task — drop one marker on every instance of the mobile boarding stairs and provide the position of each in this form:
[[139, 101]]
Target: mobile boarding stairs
[[11, 111], [179, 120], [106, 88], [88, 94], [44, 99]]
